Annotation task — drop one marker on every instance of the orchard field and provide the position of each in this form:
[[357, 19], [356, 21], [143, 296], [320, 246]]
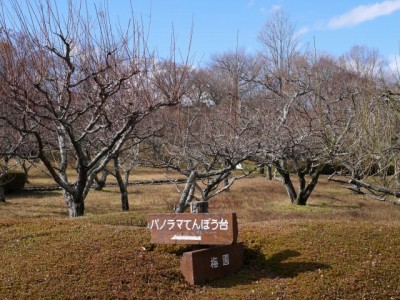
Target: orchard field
[[339, 246]]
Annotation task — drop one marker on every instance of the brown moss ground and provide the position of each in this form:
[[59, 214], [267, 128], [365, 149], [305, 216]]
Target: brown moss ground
[[39, 177], [340, 246]]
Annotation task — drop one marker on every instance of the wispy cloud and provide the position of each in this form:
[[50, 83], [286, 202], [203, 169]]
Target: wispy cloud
[[272, 9], [364, 13], [301, 31], [276, 8]]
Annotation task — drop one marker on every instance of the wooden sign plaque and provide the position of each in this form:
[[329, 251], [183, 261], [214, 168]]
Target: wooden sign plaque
[[195, 229]]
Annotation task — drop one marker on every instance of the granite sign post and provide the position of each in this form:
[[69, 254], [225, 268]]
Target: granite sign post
[[203, 265]]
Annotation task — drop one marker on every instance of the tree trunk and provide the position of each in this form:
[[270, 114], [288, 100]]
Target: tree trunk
[[2, 193], [301, 199], [199, 207], [306, 189], [127, 174], [287, 182], [290, 190], [187, 193], [268, 174], [397, 172], [121, 185], [76, 204], [282, 169], [124, 198], [262, 169], [100, 183]]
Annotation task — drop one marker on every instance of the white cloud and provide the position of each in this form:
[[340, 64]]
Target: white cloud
[[272, 9], [276, 8], [301, 32], [364, 13]]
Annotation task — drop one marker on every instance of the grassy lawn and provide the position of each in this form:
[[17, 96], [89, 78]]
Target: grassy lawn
[[340, 246]]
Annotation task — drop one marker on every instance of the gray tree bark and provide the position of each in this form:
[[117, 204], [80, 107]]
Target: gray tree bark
[[306, 189], [397, 172], [121, 184], [187, 193], [100, 183], [75, 204], [301, 196], [199, 207], [268, 174]]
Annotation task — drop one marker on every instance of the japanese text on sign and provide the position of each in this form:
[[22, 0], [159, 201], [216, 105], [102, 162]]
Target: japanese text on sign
[[214, 263], [203, 224]]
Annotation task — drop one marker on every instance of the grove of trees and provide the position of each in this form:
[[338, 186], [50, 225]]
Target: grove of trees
[[79, 94]]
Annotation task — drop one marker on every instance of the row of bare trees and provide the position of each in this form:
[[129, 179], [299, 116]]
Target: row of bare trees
[[78, 94], [300, 113]]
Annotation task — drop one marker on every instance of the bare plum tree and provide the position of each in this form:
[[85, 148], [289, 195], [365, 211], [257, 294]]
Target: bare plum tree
[[203, 145], [215, 131], [66, 79], [371, 156], [304, 119]]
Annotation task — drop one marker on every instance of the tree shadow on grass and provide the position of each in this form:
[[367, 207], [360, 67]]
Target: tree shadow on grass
[[257, 266], [325, 205], [22, 195], [278, 267]]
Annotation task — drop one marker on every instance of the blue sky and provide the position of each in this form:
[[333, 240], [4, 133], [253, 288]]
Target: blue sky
[[219, 25]]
